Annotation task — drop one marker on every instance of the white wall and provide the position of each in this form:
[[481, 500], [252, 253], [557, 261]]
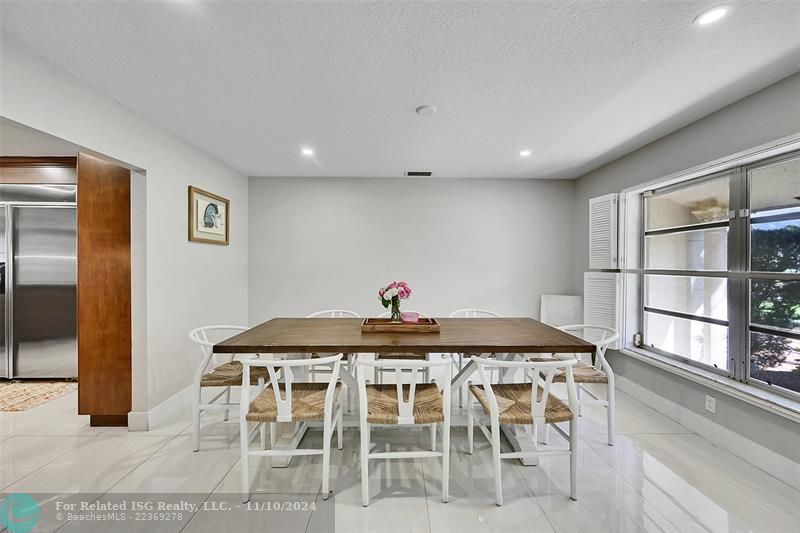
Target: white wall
[[16, 140], [765, 116], [187, 284], [331, 243]]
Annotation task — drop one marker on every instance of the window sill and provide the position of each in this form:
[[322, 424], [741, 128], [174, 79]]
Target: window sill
[[774, 403]]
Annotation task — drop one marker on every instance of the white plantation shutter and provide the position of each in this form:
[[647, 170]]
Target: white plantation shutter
[[603, 224], [602, 301]]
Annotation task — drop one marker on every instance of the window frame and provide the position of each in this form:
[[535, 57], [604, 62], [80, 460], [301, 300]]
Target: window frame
[[738, 275], [747, 184], [644, 233]]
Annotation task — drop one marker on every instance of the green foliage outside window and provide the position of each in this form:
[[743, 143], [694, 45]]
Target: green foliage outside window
[[775, 303]]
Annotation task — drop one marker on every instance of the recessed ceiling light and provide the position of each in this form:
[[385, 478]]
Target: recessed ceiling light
[[308, 152], [711, 15], [524, 153], [425, 110]]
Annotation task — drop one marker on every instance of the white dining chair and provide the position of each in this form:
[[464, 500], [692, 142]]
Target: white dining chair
[[474, 313], [458, 359], [211, 374], [598, 372], [407, 402], [334, 313], [524, 404], [560, 309], [282, 399], [348, 362], [400, 355]]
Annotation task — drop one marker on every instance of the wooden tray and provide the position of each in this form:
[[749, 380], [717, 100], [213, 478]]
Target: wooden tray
[[385, 325]]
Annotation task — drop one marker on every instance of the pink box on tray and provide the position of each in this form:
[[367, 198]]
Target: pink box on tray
[[409, 317]]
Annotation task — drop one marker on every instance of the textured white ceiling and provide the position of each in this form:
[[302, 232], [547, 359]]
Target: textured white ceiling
[[577, 83]]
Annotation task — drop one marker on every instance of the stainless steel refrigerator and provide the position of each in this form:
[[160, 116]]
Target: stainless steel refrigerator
[[38, 267]]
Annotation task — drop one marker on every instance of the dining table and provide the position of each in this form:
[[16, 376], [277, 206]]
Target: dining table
[[504, 337]]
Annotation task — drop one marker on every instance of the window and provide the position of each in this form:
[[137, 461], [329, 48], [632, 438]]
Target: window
[[686, 236], [720, 280], [774, 235]]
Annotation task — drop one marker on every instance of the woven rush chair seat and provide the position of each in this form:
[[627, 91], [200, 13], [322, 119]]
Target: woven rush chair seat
[[230, 375], [514, 403], [308, 402], [583, 373], [382, 405]]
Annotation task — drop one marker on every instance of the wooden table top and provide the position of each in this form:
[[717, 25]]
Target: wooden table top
[[472, 335]]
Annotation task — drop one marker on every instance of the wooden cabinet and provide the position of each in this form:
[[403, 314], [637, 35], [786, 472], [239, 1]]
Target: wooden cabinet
[[104, 291]]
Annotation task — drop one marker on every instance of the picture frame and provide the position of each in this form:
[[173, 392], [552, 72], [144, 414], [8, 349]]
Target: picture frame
[[209, 217]]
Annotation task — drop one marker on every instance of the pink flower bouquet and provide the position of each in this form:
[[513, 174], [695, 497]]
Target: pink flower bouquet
[[392, 294]]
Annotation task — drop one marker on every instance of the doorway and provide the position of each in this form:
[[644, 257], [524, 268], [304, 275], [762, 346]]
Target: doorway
[[65, 264]]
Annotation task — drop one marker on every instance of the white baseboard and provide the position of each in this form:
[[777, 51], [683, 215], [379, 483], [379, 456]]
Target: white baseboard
[[144, 420], [767, 460], [137, 421]]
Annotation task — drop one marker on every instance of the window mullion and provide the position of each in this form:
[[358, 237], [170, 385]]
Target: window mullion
[[738, 287]]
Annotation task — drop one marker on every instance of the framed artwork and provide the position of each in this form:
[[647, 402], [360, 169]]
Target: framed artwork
[[209, 217]]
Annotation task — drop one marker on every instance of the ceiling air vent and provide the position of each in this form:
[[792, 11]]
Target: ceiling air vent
[[412, 173]]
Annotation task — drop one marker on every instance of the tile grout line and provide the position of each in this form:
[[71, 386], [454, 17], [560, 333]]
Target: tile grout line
[[535, 498], [630, 484], [582, 439], [88, 439], [58, 410], [743, 459], [763, 504], [167, 441], [716, 475], [636, 491], [221, 479], [621, 474], [516, 465], [132, 470], [319, 492]]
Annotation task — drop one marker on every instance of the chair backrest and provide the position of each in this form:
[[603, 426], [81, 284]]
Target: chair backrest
[[559, 309], [474, 313], [280, 373], [408, 374], [387, 314], [600, 336], [540, 369], [205, 337], [334, 313]]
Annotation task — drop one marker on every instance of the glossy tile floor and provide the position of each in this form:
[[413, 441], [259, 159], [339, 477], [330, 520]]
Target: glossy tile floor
[[659, 476]]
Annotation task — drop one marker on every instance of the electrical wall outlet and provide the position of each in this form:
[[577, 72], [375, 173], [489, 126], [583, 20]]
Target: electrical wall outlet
[[711, 404]]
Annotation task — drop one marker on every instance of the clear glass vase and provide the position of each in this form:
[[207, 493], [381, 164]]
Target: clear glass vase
[[396, 310]]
